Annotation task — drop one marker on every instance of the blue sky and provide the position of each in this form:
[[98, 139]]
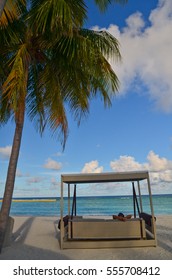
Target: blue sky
[[134, 134]]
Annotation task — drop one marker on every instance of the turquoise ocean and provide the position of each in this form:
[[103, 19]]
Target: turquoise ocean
[[100, 205]]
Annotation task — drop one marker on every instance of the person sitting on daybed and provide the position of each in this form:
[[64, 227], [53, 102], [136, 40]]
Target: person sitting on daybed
[[121, 217]]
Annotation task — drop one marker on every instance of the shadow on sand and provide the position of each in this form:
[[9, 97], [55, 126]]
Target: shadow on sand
[[165, 238], [20, 251], [22, 232]]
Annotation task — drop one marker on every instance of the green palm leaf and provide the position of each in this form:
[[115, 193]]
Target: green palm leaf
[[57, 16]]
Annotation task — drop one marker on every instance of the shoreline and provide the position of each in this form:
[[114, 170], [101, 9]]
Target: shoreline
[[37, 238]]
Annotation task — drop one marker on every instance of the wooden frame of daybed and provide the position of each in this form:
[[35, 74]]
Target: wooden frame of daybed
[[105, 233]]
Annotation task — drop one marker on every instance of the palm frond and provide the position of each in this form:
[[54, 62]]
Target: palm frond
[[57, 16], [14, 88], [101, 46], [45, 103], [12, 10], [107, 44], [85, 73]]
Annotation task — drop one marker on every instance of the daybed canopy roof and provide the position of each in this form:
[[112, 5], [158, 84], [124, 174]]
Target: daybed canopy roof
[[104, 177]]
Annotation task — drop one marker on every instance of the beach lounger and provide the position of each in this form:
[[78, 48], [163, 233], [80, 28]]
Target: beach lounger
[[92, 228]]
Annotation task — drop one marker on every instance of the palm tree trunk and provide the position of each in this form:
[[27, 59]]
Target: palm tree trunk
[[9, 186]]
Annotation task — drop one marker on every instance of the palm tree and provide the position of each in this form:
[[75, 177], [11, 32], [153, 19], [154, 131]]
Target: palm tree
[[47, 37]]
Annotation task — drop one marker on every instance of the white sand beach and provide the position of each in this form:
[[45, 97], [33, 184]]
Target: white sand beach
[[37, 238]]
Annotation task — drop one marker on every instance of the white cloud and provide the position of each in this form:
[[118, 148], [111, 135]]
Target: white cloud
[[160, 168], [92, 167], [146, 54], [52, 164], [59, 154], [125, 163], [35, 180], [55, 185], [5, 152], [20, 174], [157, 164]]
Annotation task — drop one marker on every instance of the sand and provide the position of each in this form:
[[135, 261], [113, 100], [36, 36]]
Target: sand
[[37, 238]]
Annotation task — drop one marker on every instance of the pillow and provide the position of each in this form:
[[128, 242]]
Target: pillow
[[65, 220]]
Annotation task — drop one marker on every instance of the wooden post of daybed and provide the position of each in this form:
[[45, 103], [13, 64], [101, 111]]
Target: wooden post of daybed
[[153, 226], [140, 197], [61, 216], [68, 199]]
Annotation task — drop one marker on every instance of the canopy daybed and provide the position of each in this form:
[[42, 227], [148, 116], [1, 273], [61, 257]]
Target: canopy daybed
[[96, 232]]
